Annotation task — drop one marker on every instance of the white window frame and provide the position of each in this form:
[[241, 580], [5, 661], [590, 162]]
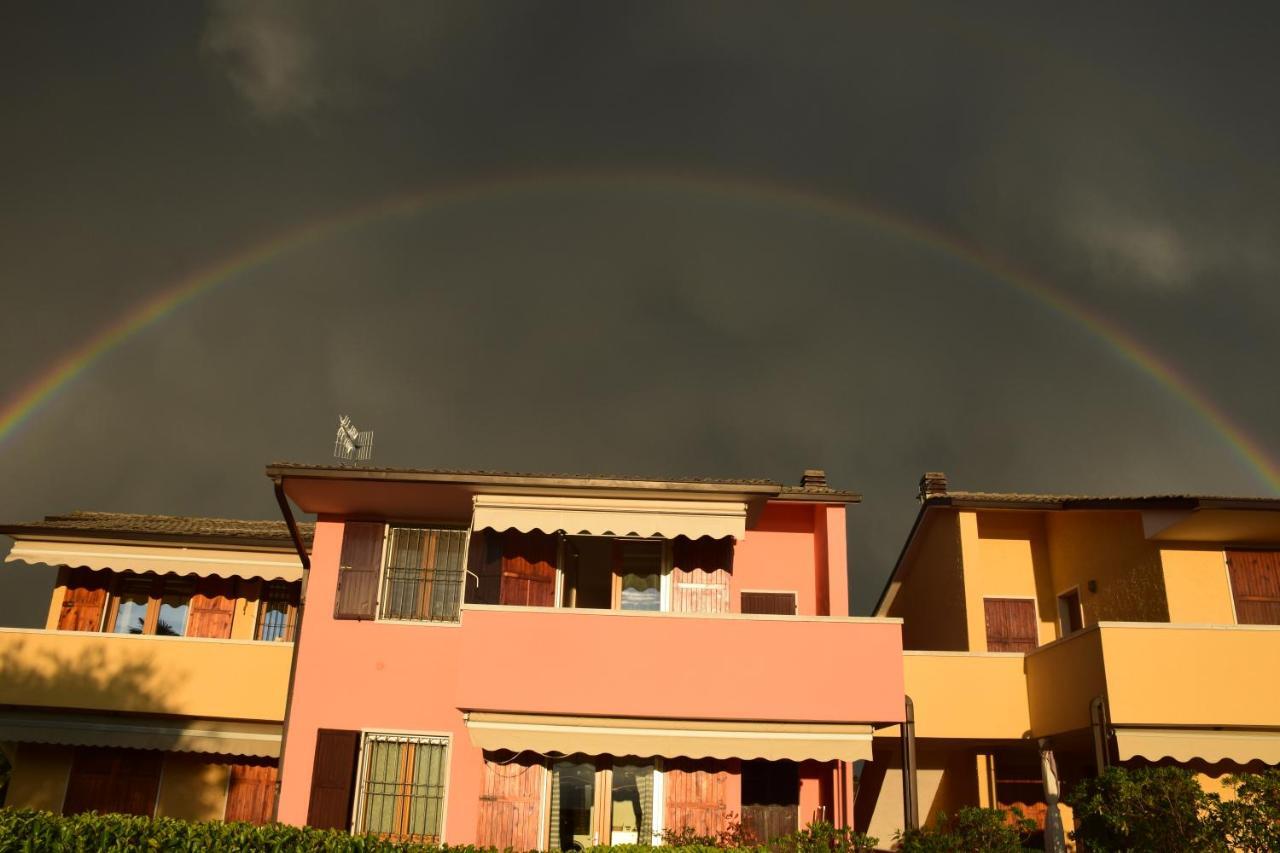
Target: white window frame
[[357, 812], [382, 571]]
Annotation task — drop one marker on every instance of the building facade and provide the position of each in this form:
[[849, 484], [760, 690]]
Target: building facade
[[1047, 637], [158, 683], [554, 662]]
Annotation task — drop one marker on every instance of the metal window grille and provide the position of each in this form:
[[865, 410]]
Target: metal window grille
[[423, 576], [401, 791], [279, 611]]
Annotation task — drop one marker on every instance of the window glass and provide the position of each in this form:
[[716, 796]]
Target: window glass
[[131, 612], [174, 606], [573, 795], [641, 592], [640, 564], [423, 577], [402, 787], [278, 611], [631, 819]]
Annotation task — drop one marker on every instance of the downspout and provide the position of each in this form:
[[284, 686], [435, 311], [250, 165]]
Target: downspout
[[910, 805], [292, 524]]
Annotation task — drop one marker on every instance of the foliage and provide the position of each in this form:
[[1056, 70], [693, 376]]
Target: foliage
[[1151, 808], [731, 836], [821, 837], [1251, 821], [970, 830]]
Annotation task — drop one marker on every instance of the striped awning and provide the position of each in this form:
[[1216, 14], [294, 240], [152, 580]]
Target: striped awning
[[612, 517], [217, 737], [202, 562], [669, 738], [1211, 745]]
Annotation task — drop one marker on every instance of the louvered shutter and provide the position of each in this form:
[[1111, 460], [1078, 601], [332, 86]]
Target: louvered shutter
[[694, 794], [529, 568], [83, 601], [251, 792], [1011, 624], [358, 569], [1255, 586], [333, 778], [212, 608], [700, 575], [774, 603], [511, 806]]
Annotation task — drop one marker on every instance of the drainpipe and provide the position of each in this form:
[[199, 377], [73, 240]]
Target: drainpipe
[[292, 524], [1098, 722], [910, 803], [1054, 838]]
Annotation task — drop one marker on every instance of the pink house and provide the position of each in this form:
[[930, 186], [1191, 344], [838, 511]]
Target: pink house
[[551, 662]]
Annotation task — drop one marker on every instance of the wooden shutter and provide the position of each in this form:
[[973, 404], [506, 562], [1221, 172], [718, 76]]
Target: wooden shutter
[[510, 815], [1255, 585], [1011, 624], [700, 575], [124, 781], [83, 601], [251, 793], [773, 603], [212, 608], [695, 797], [529, 569], [358, 570], [333, 779]]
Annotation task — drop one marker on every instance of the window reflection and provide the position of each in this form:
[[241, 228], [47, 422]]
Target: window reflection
[[131, 617], [173, 615]]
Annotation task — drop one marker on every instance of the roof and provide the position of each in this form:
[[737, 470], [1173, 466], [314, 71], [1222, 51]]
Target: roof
[[1018, 500], [124, 525], [765, 488]]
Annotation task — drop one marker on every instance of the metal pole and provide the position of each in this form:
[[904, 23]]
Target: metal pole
[[1054, 838], [910, 804]]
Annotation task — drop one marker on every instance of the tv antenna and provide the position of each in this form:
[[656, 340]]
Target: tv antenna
[[352, 444]]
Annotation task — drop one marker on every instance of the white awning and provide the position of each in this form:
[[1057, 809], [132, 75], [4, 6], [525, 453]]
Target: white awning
[[1240, 746], [203, 562], [669, 738], [612, 517], [217, 737]]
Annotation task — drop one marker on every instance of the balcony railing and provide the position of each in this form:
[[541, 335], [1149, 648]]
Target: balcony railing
[[641, 664], [236, 679]]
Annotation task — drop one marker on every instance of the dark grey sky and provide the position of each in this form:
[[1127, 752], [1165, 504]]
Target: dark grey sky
[[1126, 155]]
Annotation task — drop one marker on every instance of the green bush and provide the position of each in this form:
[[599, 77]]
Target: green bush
[[1251, 822], [970, 830], [1151, 808]]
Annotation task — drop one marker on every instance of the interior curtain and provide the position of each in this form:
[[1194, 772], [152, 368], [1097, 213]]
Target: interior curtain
[[644, 786], [553, 839]]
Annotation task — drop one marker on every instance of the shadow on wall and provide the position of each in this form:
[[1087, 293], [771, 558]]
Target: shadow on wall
[[70, 686], [25, 592]]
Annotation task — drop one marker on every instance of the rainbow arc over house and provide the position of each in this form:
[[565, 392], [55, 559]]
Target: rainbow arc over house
[[21, 408]]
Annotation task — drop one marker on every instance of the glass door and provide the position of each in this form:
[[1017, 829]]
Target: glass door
[[572, 813]]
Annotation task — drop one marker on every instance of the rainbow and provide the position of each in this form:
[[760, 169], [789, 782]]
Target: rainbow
[[28, 400]]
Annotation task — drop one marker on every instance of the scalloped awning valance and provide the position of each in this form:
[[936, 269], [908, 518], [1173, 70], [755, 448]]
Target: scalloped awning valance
[[615, 517], [202, 562], [1211, 745]]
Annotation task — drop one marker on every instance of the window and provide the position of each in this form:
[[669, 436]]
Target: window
[[1011, 624], [401, 787], [640, 574], [1070, 614], [278, 612], [132, 601], [1255, 586], [775, 603], [422, 580], [156, 605], [175, 602]]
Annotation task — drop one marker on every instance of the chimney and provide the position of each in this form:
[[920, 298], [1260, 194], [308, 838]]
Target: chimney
[[814, 478], [933, 484]]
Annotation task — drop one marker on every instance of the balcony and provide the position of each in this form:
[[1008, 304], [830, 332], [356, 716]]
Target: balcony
[[967, 695], [83, 671], [1156, 674], [532, 660]]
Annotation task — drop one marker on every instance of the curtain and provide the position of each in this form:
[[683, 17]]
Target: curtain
[[644, 785]]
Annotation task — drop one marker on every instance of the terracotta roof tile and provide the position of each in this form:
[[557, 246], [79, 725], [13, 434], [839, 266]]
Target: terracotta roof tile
[[162, 526]]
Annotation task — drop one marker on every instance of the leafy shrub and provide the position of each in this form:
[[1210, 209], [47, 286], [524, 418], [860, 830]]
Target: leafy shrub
[[731, 836], [821, 837], [970, 830], [1151, 808], [1251, 822]]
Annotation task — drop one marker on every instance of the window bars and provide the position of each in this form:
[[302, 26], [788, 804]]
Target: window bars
[[279, 611], [423, 576], [401, 792]]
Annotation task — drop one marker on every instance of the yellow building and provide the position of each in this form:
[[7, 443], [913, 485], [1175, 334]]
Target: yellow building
[[1049, 636], [158, 683]]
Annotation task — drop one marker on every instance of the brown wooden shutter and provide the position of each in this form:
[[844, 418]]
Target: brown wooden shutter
[[1255, 585], [700, 575], [483, 584], [358, 570], [251, 793], [1011, 624], [695, 797], [529, 569], [510, 816], [333, 779], [83, 601], [212, 608], [772, 603], [124, 781]]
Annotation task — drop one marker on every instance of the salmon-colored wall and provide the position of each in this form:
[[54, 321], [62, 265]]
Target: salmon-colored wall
[[418, 677]]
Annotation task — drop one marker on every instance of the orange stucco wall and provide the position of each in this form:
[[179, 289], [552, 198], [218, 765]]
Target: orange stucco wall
[[417, 678], [931, 599]]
